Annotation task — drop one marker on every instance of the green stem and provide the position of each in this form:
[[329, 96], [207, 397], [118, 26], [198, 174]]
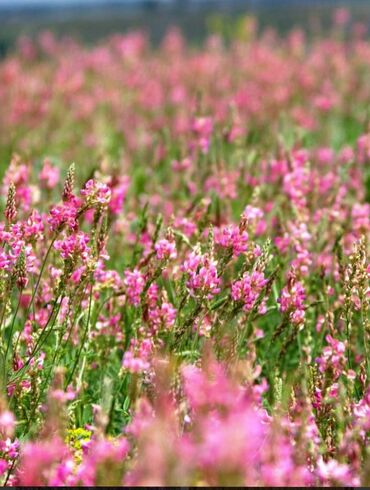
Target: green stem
[[11, 330], [83, 340], [40, 275], [38, 344]]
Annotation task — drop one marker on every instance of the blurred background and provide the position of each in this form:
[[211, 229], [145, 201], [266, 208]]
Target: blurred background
[[91, 20]]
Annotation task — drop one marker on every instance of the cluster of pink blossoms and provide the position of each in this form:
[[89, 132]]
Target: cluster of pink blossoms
[[202, 128], [165, 249], [134, 282], [161, 313], [203, 276], [248, 289], [74, 246], [64, 215], [292, 300], [96, 192], [333, 357], [232, 237], [136, 359]]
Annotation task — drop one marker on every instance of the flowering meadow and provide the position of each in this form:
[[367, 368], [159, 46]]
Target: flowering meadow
[[184, 274]]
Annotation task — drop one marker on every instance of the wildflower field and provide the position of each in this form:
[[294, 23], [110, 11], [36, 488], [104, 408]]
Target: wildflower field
[[184, 275]]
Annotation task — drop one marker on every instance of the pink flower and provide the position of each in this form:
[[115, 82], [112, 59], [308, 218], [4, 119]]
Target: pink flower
[[202, 128], [186, 226], [334, 473], [361, 217], [49, 174], [203, 275], [119, 188], [39, 462], [136, 360], [96, 192], [103, 458], [333, 357], [74, 246], [64, 214], [4, 465], [163, 315], [134, 282], [341, 16], [291, 301], [182, 165], [165, 249], [7, 423], [232, 237], [248, 289]]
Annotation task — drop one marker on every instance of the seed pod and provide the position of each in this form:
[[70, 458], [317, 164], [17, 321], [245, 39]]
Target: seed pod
[[102, 236], [10, 209], [20, 271], [69, 183], [211, 241]]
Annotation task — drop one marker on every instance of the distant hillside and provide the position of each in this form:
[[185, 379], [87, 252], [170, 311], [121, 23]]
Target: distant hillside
[[90, 20]]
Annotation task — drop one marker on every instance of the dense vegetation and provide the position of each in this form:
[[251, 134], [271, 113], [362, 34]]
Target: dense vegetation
[[187, 303]]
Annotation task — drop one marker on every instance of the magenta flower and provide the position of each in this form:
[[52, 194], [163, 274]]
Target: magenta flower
[[203, 275], [165, 249], [233, 238], [248, 289], [74, 246], [134, 282]]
